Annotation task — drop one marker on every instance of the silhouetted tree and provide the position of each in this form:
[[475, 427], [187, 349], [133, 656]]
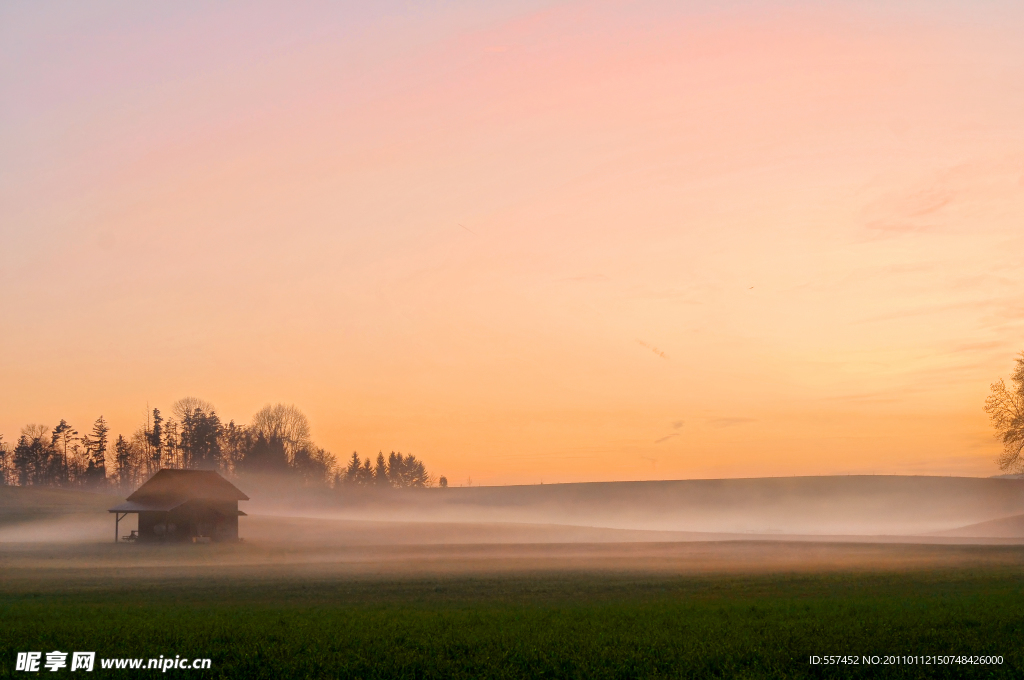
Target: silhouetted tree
[[357, 473], [265, 456], [1005, 408], [314, 464], [155, 439], [171, 446], [142, 461], [282, 423], [380, 471], [96, 472], [36, 461], [200, 439], [353, 473], [78, 461], [187, 405], [278, 441], [442, 482], [25, 461], [125, 472], [236, 442], [406, 471], [5, 463], [415, 472], [62, 436]]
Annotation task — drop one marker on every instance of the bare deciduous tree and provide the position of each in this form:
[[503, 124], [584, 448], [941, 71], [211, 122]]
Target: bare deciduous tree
[[130, 461], [1005, 408], [34, 431], [282, 423], [35, 460], [188, 405]]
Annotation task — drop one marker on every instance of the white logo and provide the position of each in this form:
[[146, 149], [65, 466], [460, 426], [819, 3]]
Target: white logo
[[83, 661], [28, 661], [55, 660]]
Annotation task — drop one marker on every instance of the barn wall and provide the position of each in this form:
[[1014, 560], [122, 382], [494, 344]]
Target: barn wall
[[147, 524], [217, 520]]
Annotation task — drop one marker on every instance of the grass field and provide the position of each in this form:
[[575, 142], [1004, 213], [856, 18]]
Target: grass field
[[358, 599], [535, 623]]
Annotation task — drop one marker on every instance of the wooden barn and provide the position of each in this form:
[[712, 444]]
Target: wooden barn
[[183, 505]]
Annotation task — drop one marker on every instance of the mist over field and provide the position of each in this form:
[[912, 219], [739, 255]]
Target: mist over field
[[282, 510], [798, 505]]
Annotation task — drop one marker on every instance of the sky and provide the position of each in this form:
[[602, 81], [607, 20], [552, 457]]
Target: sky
[[525, 241]]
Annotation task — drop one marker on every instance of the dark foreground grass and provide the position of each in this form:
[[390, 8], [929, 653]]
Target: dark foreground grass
[[554, 625]]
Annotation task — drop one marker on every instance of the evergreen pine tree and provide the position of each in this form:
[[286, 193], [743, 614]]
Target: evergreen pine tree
[[352, 470], [380, 471], [98, 464], [155, 438], [63, 435]]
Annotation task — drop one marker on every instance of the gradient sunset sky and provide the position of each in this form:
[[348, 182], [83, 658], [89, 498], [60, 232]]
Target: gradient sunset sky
[[524, 241]]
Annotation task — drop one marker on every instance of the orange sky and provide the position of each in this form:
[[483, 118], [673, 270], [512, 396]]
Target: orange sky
[[526, 241]]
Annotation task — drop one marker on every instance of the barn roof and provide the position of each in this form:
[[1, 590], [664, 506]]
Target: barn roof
[[149, 505], [186, 485]]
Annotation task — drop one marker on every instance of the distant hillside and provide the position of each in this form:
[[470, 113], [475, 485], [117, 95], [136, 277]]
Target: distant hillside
[[865, 504], [1005, 527], [23, 503]]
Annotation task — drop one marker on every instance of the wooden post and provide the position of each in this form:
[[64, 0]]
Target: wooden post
[[118, 516]]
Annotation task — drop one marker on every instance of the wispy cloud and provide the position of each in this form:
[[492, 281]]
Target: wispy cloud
[[653, 349], [913, 211]]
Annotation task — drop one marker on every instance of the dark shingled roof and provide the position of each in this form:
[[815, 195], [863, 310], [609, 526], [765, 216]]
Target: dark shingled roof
[[150, 505], [187, 484]]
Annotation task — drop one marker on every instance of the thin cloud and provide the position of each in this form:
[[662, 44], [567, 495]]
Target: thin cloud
[[665, 439], [903, 213], [653, 349], [925, 310]]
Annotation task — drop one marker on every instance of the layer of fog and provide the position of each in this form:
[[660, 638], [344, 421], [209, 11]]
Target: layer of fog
[[810, 508], [73, 528], [822, 506], [63, 566]]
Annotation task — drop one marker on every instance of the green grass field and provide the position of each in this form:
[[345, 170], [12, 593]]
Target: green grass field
[[535, 625]]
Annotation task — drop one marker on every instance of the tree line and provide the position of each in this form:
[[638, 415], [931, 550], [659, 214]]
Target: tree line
[[397, 471], [276, 441]]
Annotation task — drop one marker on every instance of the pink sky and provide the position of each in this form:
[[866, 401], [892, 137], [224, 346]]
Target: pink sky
[[558, 242]]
